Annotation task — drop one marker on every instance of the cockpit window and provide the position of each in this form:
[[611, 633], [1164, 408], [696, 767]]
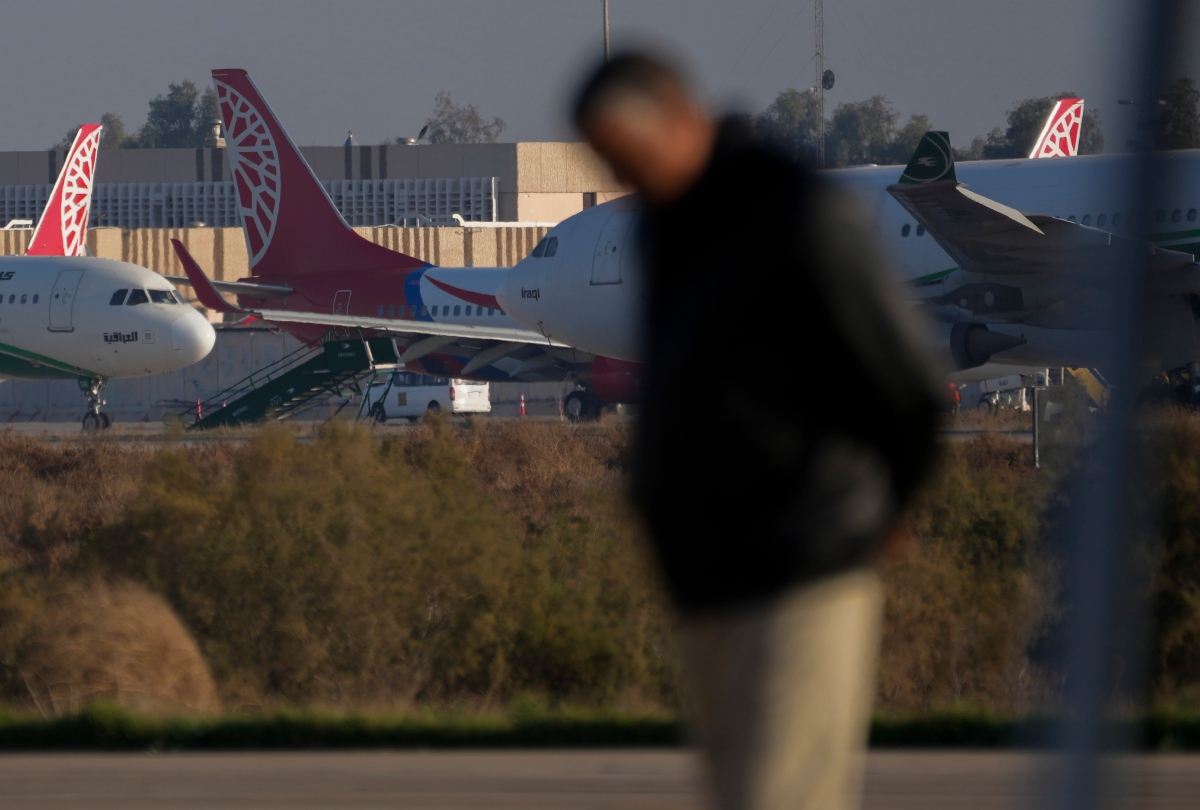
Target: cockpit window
[[137, 297], [540, 250], [178, 297], [118, 298], [551, 246], [162, 296]]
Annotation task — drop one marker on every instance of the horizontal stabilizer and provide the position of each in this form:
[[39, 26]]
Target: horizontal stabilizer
[[203, 288], [241, 287]]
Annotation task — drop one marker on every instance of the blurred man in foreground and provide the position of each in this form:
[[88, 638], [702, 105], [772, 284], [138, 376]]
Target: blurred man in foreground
[[766, 523]]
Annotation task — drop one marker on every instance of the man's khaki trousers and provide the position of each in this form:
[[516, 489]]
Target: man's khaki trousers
[[781, 694]]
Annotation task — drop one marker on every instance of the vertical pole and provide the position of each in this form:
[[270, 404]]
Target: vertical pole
[[607, 49], [1037, 429], [819, 19]]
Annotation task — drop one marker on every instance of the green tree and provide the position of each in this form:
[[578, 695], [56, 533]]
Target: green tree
[[975, 150], [112, 136], [905, 140], [793, 123], [206, 112], [181, 118], [1025, 123], [863, 132], [451, 123], [1178, 125]]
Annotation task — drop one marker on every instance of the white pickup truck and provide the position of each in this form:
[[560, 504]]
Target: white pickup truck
[[408, 395]]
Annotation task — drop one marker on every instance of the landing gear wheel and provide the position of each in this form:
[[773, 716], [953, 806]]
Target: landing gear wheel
[[433, 409], [105, 421], [379, 413], [581, 406], [93, 420]]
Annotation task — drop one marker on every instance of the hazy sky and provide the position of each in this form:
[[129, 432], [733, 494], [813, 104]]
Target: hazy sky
[[374, 67]]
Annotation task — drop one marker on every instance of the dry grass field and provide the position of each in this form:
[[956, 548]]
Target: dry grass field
[[474, 565]]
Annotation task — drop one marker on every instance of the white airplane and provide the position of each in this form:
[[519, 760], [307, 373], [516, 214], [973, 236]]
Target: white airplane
[[67, 315], [1006, 289], [1011, 262]]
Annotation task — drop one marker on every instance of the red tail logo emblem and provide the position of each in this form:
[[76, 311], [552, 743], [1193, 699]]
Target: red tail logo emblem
[[255, 163], [1060, 136], [62, 230]]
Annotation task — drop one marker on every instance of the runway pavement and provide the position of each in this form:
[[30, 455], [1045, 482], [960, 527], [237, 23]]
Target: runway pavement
[[529, 780]]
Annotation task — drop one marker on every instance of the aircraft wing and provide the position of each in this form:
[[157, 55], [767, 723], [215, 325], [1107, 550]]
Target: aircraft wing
[[1013, 263], [408, 327], [521, 353]]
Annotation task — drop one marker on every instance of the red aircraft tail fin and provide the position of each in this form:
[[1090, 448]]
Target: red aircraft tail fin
[[1060, 136], [62, 230], [291, 225]]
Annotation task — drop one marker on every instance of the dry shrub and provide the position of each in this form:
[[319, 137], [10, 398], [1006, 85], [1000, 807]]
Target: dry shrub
[[977, 591], [55, 495], [1175, 666], [115, 643], [468, 563], [350, 571]]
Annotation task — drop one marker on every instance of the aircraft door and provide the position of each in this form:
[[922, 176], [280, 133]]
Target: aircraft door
[[62, 300], [606, 262], [341, 302]]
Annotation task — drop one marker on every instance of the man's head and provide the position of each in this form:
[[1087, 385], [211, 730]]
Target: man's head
[[642, 118]]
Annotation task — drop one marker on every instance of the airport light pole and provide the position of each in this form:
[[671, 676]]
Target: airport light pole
[[607, 49], [819, 19]]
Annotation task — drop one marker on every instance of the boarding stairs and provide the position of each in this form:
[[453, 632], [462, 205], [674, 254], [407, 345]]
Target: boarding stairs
[[338, 365]]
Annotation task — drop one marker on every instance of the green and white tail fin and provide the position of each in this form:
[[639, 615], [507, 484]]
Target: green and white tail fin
[[932, 162]]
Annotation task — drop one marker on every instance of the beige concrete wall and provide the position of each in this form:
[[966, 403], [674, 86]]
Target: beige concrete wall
[[561, 167], [222, 251], [539, 206]]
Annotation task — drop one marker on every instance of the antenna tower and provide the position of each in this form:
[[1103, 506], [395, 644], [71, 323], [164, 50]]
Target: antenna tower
[[819, 15]]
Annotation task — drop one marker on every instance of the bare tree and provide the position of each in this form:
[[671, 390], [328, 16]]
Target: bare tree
[[451, 123]]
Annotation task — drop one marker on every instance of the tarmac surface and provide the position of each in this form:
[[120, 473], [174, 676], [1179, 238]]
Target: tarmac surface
[[56, 432], [529, 780]]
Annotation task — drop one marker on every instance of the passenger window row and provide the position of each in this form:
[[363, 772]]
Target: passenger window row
[[12, 298], [469, 310], [136, 297]]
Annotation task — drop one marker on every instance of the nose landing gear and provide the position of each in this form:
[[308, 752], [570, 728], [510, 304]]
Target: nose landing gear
[[93, 420]]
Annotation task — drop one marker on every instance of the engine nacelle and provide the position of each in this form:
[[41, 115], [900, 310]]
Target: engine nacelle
[[967, 345], [612, 381]]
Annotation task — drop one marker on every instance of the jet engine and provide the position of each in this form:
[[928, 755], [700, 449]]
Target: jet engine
[[967, 345]]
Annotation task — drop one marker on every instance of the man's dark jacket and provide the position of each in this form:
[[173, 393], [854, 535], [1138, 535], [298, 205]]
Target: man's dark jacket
[[789, 406]]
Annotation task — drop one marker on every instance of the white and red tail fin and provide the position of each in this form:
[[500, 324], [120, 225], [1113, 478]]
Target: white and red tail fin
[[1060, 136], [62, 230], [291, 225]]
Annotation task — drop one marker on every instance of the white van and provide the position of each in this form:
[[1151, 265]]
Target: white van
[[412, 395]]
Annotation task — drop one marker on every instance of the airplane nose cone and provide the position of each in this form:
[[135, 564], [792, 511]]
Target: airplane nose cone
[[192, 337]]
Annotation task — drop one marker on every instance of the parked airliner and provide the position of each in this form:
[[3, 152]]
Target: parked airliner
[[67, 315], [1002, 286]]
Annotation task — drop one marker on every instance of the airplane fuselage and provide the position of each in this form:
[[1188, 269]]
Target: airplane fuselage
[[589, 294], [58, 320]]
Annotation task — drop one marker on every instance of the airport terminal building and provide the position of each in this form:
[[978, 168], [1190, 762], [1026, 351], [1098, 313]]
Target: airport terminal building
[[373, 186]]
